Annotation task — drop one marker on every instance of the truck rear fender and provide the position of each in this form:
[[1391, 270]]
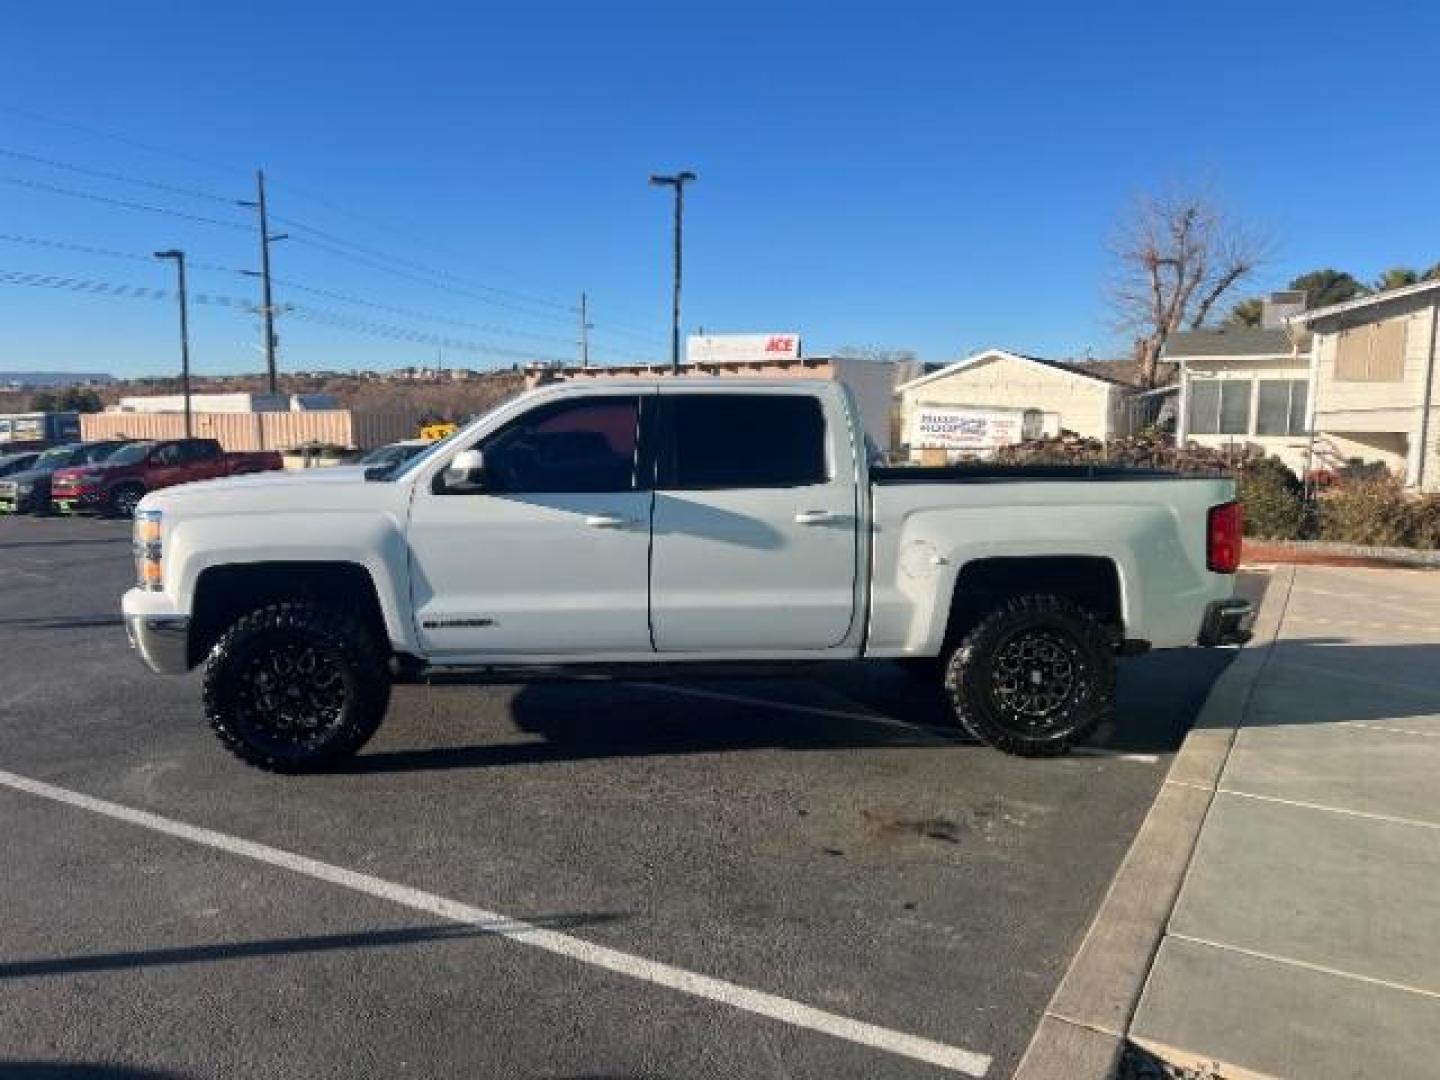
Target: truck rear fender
[[1092, 582]]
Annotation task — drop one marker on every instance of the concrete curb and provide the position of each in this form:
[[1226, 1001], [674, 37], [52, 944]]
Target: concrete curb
[[1279, 551], [1082, 1034]]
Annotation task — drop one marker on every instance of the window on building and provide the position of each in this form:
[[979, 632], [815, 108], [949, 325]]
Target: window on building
[[1280, 409], [1371, 353], [1220, 407], [1204, 418], [1235, 407], [745, 441]]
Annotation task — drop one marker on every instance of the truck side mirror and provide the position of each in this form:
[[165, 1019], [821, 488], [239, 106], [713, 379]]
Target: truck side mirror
[[465, 472]]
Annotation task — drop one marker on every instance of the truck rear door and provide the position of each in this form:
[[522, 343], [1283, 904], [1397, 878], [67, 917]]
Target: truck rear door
[[755, 522]]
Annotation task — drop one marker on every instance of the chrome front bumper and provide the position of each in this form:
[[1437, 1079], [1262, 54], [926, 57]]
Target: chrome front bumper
[[1227, 622], [163, 642]]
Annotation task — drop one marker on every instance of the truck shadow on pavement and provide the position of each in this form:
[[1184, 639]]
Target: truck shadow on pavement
[[844, 707], [584, 721]]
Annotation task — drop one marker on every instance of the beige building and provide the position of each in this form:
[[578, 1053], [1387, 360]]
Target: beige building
[[1372, 368], [1046, 396], [1320, 388]]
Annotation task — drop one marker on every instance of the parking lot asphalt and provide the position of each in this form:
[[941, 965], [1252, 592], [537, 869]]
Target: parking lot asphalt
[[769, 860]]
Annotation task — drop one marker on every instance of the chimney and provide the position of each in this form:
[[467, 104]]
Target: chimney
[[1279, 306]]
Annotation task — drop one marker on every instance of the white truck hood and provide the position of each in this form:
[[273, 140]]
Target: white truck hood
[[339, 487]]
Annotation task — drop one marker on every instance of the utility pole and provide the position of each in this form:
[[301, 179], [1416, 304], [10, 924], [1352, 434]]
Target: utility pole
[[179, 257], [678, 182], [267, 303], [585, 327]]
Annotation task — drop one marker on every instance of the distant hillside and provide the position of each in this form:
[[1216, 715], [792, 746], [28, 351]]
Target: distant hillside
[[441, 398], [44, 380]]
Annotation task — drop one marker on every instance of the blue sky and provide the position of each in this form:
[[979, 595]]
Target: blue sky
[[939, 177]]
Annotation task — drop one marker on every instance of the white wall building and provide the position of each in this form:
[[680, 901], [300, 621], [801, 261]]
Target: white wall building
[[996, 382], [228, 403]]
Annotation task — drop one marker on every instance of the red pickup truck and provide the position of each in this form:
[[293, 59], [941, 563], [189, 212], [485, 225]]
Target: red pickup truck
[[117, 484]]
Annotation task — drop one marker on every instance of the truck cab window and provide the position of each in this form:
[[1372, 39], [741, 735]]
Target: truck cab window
[[567, 446], [745, 441]]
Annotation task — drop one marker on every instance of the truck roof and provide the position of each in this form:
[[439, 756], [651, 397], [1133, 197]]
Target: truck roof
[[736, 382]]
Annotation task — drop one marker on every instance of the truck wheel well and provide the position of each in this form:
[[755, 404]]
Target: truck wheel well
[[224, 594], [1092, 582]]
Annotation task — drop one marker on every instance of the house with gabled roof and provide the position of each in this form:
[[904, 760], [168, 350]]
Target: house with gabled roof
[[1354, 381], [1044, 397]]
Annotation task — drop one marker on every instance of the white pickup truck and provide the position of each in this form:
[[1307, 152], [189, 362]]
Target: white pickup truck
[[656, 521]]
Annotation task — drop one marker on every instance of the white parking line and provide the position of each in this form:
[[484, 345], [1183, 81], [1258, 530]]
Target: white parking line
[[874, 718], [636, 967]]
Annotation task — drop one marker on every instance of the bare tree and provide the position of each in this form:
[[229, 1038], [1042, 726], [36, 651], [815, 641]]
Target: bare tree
[[1176, 253]]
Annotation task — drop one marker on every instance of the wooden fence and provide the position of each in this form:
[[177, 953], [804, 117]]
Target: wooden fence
[[259, 430]]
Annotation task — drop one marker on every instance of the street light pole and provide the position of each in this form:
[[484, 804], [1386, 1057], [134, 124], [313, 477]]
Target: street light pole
[[678, 182], [179, 257]]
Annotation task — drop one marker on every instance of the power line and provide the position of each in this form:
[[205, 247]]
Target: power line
[[72, 193], [331, 294], [308, 314], [122, 178], [614, 326], [331, 238], [420, 337], [99, 133]]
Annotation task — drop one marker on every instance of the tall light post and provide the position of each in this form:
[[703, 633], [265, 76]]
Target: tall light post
[[678, 182], [179, 257]]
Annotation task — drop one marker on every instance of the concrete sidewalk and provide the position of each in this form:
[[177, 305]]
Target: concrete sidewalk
[[1305, 938]]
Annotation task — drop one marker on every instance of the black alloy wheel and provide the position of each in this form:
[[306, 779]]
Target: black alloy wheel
[[1033, 677], [295, 687]]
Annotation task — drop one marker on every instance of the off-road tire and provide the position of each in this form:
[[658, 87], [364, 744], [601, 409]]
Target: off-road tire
[[122, 501], [239, 704], [990, 701]]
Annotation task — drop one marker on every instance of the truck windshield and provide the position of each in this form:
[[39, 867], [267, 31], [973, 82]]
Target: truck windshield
[[55, 457], [129, 455]]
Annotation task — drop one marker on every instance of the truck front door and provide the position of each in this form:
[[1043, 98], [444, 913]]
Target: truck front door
[[550, 554], [755, 530]]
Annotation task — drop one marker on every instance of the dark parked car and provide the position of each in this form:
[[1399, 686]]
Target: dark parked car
[[13, 463], [28, 491]]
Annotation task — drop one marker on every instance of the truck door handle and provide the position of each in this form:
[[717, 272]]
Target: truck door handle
[[606, 521], [814, 517]]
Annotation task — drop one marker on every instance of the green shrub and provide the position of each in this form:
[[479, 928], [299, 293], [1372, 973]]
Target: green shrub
[[1274, 500], [1373, 512], [1425, 522]]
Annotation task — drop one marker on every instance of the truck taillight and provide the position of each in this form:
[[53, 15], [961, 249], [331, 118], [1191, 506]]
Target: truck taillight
[[1223, 527]]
